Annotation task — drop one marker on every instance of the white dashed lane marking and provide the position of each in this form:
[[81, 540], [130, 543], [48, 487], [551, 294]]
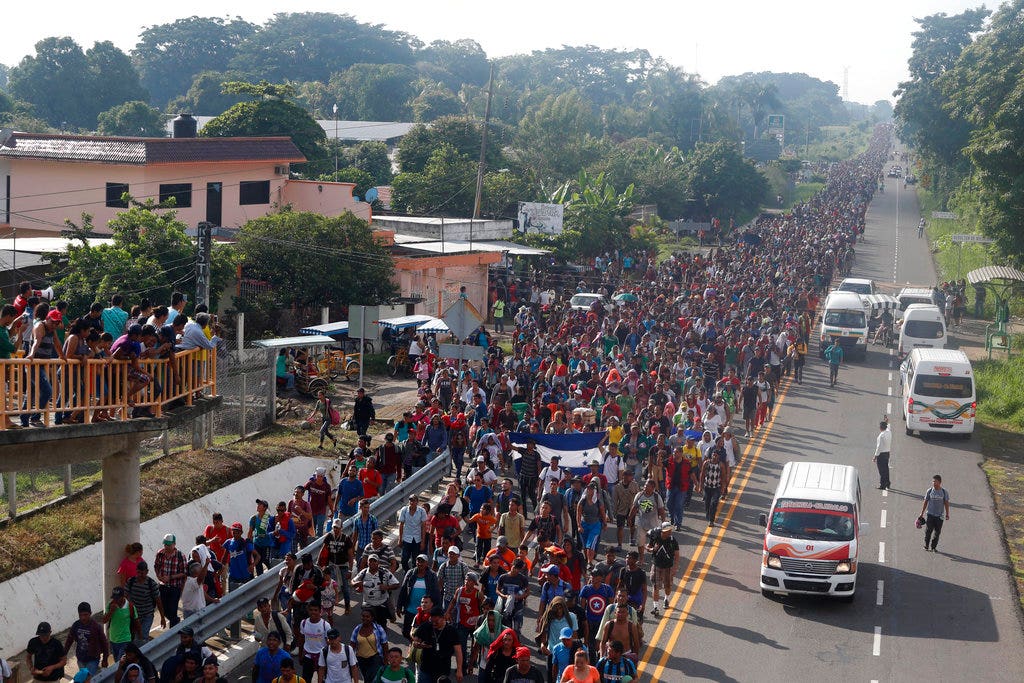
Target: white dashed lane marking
[[881, 552], [876, 646], [883, 518], [880, 593]]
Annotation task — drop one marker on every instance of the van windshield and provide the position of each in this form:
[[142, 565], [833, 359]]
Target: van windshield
[[858, 287], [812, 520], [844, 318], [936, 386], [923, 329]]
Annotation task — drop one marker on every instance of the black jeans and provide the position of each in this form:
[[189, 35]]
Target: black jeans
[[932, 529], [883, 470], [170, 596], [711, 498], [410, 549], [528, 491]]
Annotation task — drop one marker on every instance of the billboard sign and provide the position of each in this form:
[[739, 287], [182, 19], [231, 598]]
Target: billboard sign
[[776, 124], [542, 219]]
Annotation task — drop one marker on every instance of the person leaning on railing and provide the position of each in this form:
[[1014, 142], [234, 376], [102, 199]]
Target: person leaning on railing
[[44, 347], [10, 325], [128, 347]]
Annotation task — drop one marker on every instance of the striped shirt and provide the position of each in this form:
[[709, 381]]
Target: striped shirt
[[143, 593]]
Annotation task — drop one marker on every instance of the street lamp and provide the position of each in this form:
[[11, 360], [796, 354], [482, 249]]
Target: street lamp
[[335, 141]]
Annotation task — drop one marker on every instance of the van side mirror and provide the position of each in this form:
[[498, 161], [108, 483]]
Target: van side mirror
[[762, 519], [865, 529]]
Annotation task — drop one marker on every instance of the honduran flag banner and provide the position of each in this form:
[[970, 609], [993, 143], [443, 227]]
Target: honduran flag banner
[[575, 451]]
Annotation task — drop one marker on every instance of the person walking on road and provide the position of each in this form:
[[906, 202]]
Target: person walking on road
[[714, 482], [936, 501], [834, 356], [882, 445]]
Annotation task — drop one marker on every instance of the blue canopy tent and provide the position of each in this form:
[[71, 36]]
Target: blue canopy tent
[[338, 329]]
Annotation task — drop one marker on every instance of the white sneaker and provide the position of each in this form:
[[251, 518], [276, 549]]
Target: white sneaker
[[654, 610], [664, 601]]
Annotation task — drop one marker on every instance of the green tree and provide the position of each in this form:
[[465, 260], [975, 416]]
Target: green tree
[[723, 183], [374, 92], [594, 218], [313, 260], [132, 119], [445, 187], [659, 176], [150, 256], [370, 156], [458, 63], [113, 78], [672, 100], [922, 118], [559, 138], [363, 181], [311, 46], [986, 89], [269, 115], [55, 82], [434, 102], [170, 56], [206, 95], [461, 132]]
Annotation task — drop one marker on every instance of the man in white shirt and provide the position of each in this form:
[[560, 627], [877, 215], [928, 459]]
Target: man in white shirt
[[193, 337], [412, 530], [882, 445], [553, 472], [338, 663]]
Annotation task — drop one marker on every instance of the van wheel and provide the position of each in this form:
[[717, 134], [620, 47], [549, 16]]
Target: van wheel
[[768, 594], [847, 599], [910, 432]]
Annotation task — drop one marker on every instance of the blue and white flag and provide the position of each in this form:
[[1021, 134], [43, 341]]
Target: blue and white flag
[[575, 451]]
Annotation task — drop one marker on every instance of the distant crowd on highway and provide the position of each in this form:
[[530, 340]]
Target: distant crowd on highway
[[670, 363]]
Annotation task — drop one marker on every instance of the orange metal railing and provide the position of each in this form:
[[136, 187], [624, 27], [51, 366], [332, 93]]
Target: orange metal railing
[[81, 389]]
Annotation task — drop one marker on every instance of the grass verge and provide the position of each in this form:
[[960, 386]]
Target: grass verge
[[1003, 449], [169, 483]]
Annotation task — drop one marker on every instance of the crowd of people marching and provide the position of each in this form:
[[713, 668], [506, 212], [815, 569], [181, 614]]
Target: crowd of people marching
[[680, 359]]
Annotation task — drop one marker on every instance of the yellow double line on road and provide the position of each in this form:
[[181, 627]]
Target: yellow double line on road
[[710, 541]]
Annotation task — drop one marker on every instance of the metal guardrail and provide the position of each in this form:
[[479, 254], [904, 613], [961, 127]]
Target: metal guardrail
[[241, 602]]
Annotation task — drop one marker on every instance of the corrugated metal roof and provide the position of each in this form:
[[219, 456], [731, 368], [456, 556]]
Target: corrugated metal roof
[[140, 151], [994, 273], [346, 130]]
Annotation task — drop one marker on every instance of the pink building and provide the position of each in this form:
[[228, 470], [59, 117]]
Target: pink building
[[45, 179]]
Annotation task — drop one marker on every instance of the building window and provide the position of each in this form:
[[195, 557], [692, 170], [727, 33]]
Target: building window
[[254, 192], [114, 192], [182, 193]]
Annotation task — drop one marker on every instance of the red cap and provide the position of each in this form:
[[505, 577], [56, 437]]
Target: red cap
[[236, 525], [55, 315]]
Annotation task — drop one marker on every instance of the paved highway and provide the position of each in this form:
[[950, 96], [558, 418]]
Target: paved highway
[[918, 615]]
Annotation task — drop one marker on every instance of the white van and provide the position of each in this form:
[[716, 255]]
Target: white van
[[937, 386], [844, 318], [813, 532], [857, 285], [916, 295], [923, 327]]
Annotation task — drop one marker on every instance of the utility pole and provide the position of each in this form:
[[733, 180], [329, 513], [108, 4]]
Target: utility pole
[[204, 257], [483, 148]]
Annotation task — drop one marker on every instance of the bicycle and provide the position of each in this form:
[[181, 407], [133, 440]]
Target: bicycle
[[399, 361], [336, 363]]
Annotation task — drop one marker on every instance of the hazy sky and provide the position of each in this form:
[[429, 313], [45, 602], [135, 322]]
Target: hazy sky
[[712, 37]]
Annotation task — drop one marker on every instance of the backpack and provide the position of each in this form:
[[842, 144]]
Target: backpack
[[333, 412], [346, 650], [407, 675]]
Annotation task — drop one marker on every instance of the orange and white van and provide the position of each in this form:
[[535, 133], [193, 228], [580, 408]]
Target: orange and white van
[[813, 532]]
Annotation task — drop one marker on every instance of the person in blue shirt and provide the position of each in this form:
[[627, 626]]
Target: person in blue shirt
[[240, 554], [283, 531], [266, 665], [477, 495], [350, 492], [596, 596]]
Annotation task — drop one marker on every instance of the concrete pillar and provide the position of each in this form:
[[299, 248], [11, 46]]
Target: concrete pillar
[[12, 494], [122, 499], [67, 480]]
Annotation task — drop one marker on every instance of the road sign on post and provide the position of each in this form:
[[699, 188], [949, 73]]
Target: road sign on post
[[461, 351], [462, 318], [776, 124]]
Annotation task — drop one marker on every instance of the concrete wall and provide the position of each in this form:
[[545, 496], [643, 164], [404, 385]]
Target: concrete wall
[[439, 287], [52, 592]]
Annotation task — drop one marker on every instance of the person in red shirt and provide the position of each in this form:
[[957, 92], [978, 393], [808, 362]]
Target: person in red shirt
[[442, 521], [319, 490], [216, 533], [371, 478], [595, 471], [302, 515]]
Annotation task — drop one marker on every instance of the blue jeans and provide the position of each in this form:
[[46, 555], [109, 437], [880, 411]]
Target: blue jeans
[[318, 524], [117, 649], [39, 396], [145, 626], [676, 502], [389, 481], [93, 665]]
